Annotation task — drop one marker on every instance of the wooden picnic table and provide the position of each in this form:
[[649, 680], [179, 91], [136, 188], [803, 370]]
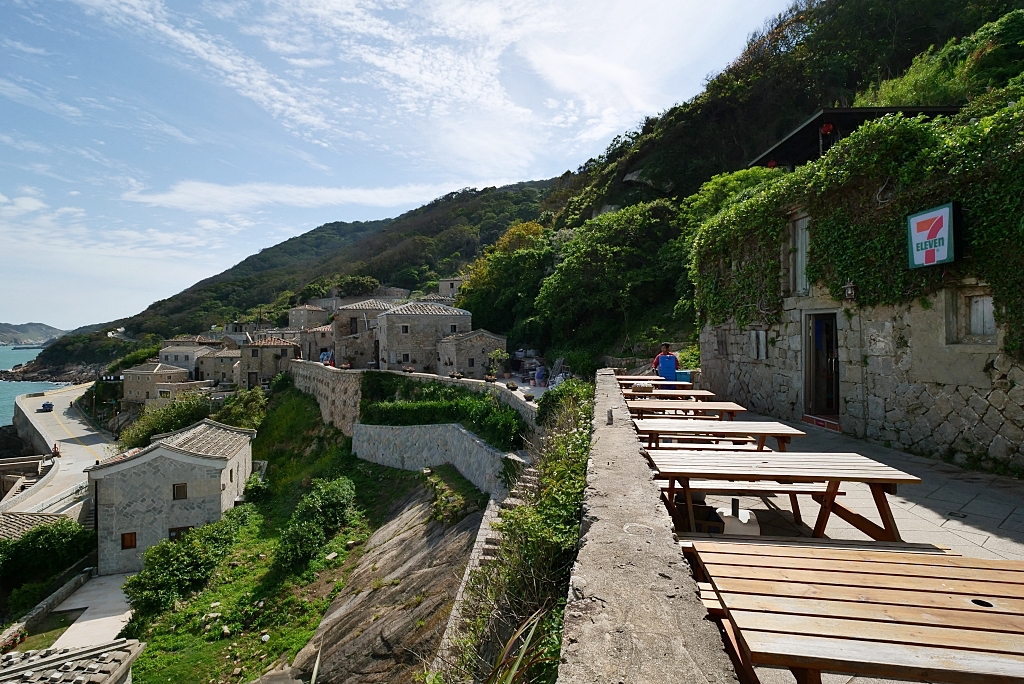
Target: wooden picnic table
[[690, 469], [872, 612], [685, 394], [727, 410], [715, 430], [657, 382]]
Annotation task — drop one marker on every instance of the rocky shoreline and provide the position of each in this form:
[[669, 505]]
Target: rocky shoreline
[[33, 372]]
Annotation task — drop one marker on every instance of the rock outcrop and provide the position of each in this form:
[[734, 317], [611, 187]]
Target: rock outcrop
[[388, 621]]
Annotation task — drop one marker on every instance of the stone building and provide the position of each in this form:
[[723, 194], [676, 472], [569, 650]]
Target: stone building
[[306, 316], [186, 357], [467, 353], [357, 317], [167, 392], [408, 335], [220, 366], [191, 341], [449, 287], [928, 377], [182, 480], [317, 341], [140, 382], [263, 359]]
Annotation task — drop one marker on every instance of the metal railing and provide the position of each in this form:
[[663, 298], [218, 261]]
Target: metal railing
[[69, 493]]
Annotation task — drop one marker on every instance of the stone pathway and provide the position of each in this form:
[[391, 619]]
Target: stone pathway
[[976, 514], [106, 612]]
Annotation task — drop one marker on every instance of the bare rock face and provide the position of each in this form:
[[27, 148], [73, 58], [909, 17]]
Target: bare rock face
[[389, 619]]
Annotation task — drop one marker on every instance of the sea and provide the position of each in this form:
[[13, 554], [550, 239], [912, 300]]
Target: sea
[[9, 357]]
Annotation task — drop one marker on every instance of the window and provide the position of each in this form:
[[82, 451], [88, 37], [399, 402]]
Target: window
[[798, 282], [451, 286], [284, 353], [167, 357], [164, 394], [721, 342], [127, 540], [223, 376], [255, 352], [405, 358], [323, 334], [455, 328], [982, 321], [176, 533], [405, 328], [231, 475], [472, 362], [759, 344], [353, 325], [147, 394], [180, 491], [175, 357]]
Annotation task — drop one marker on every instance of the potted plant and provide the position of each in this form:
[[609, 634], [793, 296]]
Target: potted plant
[[459, 376], [408, 369], [499, 357], [490, 378], [512, 386], [528, 397]]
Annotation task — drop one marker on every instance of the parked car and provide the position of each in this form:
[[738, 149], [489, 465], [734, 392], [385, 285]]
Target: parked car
[[47, 406]]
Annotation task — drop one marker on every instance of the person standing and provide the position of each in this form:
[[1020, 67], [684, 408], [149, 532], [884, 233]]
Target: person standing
[[666, 363]]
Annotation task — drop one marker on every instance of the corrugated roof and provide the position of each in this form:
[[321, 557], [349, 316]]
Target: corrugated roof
[[102, 664], [155, 367], [367, 304], [426, 309], [13, 525]]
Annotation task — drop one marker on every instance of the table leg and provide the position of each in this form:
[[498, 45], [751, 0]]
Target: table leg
[[744, 668], [689, 504], [796, 509], [672, 496], [782, 443], [805, 676], [826, 508], [888, 522], [761, 439]]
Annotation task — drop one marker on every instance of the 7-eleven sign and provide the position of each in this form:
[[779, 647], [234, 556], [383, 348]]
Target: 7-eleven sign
[[930, 237]]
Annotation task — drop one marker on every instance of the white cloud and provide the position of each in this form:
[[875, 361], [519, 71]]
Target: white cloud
[[21, 47], [45, 103], [215, 198]]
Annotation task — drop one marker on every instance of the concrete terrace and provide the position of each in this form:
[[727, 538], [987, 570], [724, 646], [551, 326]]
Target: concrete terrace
[[631, 615]]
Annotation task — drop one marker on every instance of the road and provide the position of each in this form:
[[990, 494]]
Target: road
[[80, 445]]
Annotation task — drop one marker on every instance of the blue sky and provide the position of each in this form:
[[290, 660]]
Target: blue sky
[[145, 146]]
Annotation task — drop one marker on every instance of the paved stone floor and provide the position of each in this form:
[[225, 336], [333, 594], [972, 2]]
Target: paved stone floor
[[106, 612], [976, 514]]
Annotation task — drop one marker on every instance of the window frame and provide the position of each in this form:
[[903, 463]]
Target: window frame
[[129, 541], [174, 491]]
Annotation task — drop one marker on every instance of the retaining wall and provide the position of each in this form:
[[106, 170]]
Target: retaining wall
[[27, 430], [414, 447], [12, 635], [338, 391]]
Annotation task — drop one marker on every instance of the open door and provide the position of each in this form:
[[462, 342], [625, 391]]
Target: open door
[[824, 364], [254, 380]]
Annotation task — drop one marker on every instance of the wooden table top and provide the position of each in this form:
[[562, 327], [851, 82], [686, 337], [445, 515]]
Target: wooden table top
[[669, 426], [791, 466], [669, 394], [675, 405], [656, 382], [878, 613]]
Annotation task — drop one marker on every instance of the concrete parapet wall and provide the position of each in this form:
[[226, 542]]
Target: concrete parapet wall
[[10, 636], [339, 391], [632, 614], [414, 447], [27, 429]]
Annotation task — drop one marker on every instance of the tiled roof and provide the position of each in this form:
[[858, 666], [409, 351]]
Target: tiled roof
[[434, 297], [306, 307], [426, 309], [205, 438], [103, 664], [13, 525], [181, 350], [229, 352], [272, 342], [368, 305], [322, 328], [155, 367], [472, 333]]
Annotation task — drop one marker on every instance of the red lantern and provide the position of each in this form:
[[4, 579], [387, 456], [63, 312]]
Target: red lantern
[[771, 164], [826, 129]]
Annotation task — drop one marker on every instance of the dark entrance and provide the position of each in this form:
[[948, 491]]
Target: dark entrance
[[253, 380], [824, 364]]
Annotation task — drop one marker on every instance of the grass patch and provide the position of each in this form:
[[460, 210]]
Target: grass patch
[[49, 630], [454, 495], [248, 592]]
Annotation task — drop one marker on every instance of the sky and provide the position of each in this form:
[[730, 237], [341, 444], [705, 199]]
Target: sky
[[147, 145]]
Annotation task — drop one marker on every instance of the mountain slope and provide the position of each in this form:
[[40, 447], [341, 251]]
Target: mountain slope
[[27, 333]]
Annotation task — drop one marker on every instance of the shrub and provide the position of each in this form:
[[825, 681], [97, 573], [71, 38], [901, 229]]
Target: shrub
[[171, 569], [299, 542], [323, 511], [44, 551], [281, 382], [246, 409], [186, 410], [571, 392], [256, 489]]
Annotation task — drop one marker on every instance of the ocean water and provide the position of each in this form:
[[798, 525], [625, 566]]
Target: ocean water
[[9, 390]]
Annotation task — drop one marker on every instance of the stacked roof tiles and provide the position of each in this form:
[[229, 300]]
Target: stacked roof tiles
[[109, 663]]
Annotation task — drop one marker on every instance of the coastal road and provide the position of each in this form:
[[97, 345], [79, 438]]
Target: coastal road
[[80, 445]]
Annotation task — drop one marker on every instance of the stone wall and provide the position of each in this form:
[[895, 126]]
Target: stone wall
[[414, 447], [338, 392], [903, 380], [27, 429]]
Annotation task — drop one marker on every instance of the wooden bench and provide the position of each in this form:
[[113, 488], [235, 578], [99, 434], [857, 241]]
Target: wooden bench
[[761, 488]]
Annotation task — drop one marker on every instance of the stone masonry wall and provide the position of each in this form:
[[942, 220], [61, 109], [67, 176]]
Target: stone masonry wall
[[901, 381], [338, 392], [414, 447], [139, 499]]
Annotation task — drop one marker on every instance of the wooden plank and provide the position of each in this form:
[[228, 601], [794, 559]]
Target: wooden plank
[[1009, 575], [725, 486], [869, 551], [875, 659], [871, 594], [785, 543], [900, 614], [976, 589], [805, 475], [742, 427]]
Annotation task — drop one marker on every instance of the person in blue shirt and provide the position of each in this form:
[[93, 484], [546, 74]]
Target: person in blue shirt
[[666, 363]]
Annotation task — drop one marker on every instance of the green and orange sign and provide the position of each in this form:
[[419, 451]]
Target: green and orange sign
[[930, 237]]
